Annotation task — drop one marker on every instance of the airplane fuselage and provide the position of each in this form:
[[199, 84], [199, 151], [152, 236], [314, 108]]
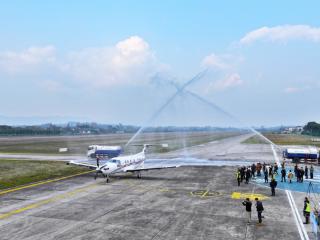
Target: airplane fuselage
[[122, 164]]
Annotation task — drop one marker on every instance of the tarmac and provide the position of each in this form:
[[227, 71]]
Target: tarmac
[[183, 203]]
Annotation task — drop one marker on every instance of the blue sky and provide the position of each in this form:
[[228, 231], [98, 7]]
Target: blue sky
[[112, 61]]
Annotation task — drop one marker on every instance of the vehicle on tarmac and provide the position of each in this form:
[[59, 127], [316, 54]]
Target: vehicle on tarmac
[[129, 163], [297, 154], [102, 152]]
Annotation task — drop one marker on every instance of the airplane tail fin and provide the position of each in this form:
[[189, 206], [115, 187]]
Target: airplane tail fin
[[145, 146]]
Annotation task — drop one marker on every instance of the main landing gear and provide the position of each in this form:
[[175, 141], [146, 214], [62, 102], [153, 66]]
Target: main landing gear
[[107, 181]]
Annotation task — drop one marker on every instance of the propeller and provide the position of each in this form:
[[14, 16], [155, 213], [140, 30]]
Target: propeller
[[97, 169]]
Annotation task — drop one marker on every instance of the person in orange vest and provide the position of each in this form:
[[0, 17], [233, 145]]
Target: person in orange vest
[[290, 176], [306, 210]]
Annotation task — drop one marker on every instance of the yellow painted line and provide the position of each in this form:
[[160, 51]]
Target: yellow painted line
[[43, 202], [43, 182], [252, 196], [204, 194]]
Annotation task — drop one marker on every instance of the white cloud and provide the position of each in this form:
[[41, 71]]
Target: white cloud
[[130, 61], [230, 81], [291, 90], [283, 33], [221, 62], [215, 61], [28, 60], [296, 89]]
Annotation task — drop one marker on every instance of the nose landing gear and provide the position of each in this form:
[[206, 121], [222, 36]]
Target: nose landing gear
[[107, 176]]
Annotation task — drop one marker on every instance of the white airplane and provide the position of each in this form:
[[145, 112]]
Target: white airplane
[[130, 163]]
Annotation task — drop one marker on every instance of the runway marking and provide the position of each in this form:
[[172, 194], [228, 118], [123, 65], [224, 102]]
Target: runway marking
[[43, 202], [252, 196], [205, 193], [43, 182]]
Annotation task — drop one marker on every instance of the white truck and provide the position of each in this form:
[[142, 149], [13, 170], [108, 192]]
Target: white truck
[[98, 151]]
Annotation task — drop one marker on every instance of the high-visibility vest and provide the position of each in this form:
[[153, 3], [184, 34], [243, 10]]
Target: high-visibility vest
[[308, 208], [238, 174]]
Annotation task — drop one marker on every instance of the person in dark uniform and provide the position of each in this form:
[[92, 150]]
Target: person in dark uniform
[[242, 172], [296, 170], [260, 209], [248, 175], [306, 171], [311, 172], [273, 185], [298, 175], [266, 180], [264, 167], [283, 175], [253, 170], [301, 174], [275, 168], [270, 171], [248, 205]]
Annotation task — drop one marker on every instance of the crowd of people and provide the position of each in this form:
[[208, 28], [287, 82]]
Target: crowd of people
[[271, 171], [246, 173]]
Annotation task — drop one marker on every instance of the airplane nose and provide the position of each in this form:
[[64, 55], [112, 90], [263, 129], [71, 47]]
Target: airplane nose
[[104, 168]]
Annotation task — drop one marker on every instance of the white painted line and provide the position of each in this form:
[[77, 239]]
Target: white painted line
[[294, 214], [302, 231], [298, 216]]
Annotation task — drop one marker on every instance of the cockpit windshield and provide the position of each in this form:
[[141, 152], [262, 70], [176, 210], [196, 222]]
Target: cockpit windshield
[[115, 161]]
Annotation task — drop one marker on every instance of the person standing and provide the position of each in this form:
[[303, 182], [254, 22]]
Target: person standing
[[298, 175], [311, 172], [283, 175], [253, 170], [264, 167], [248, 205], [242, 172], [238, 175], [270, 171], [275, 168], [259, 169], [273, 185], [290, 176], [266, 180], [306, 170], [301, 174], [296, 170], [247, 176], [260, 209], [306, 210]]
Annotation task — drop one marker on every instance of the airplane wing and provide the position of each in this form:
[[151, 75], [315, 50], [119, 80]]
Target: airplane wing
[[147, 168], [156, 164], [83, 164], [92, 164], [195, 162]]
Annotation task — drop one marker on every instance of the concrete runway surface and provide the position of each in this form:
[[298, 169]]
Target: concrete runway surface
[[182, 203]]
